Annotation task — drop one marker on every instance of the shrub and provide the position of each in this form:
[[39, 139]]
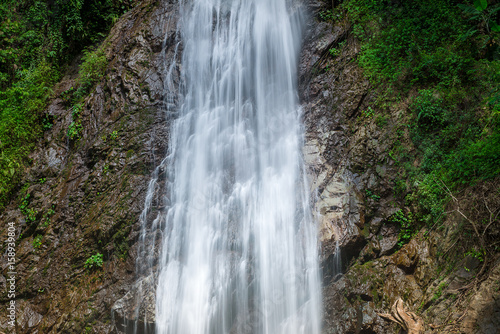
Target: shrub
[[37, 241], [94, 261], [36, 39], [411, 41], [76, 124], [407, 230], [92, 68], [21, 114], [91, 71]]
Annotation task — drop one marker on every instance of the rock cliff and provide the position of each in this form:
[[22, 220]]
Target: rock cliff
[[353, 178], [86, 195]]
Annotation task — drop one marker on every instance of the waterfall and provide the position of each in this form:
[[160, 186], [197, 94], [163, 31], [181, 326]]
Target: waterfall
[[239, 250]]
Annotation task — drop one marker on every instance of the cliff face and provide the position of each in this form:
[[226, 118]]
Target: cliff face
[[86, 196], [353, 174]]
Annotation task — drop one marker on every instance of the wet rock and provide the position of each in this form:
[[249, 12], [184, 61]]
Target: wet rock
[[136, 310], [483, 315], [87, 194], [388, 237], [375, 224], [28, 318], [407, 257]]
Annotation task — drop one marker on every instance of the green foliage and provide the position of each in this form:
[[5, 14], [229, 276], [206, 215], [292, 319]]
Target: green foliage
[[368, 113], [113, 135], [483, 14], [121, 241], [381, 121], [53, 30], [37, 38], [23, 204], [76, 124], [372, 195], [29, 213], [46, 217], [407, 229], [335, 52], [446, 52], [439, 291], [431, 198], [477, 254], [428, 111], [479, 160], [94, 261], [92, 70], [21, 111], [480, 5], [411, 41], [37, 241], [461, 146], [327, 15]]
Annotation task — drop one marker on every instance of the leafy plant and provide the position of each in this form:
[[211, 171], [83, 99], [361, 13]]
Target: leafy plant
[[76, 125], [23, 204], [95, 260], [368, 113], [410, 42], [428, 111], [37, 241], [381, 121], [439, 291], [36, 39], [372, 195], [480, 11], [92, 69], [327, 15], [21, 115], [46, 217], [407, 230], [113, 135], [477, 254], [454, 117], [335, 52], [31, 215]]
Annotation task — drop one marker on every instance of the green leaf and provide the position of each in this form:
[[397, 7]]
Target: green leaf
[[468, 9], [494, 26], [480, 4], [494, 9]]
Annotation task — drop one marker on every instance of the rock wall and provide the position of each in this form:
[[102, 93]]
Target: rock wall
[[352, 177], [87, 194]]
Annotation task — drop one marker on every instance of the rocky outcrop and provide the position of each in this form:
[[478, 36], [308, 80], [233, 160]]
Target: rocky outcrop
[[135, 312], [84, 197], [353, 176]]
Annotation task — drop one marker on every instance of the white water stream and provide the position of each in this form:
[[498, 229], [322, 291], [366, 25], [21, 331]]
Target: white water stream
[[239, 243]]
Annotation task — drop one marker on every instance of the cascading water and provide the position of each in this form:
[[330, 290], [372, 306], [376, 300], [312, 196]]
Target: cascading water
[[239, 244]]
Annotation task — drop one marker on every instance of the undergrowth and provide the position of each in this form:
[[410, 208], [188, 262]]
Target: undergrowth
[[38, 38], [442, 58]]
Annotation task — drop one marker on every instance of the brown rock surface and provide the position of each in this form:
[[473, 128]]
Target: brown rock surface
[[95, 185]]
